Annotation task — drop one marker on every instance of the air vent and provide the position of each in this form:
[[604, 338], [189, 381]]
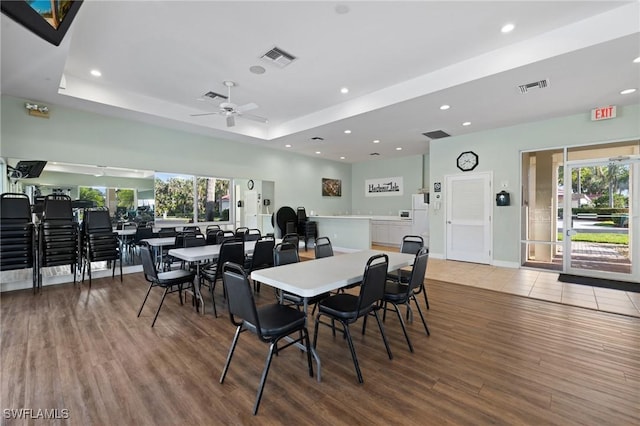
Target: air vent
[[437, 134], [278, 57], [526, 88], [213, 95], [375, 153], [317, 138]]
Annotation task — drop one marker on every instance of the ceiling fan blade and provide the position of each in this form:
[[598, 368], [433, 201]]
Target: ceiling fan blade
[[246, 107], [254, 118], [206, 113], [231, 121]]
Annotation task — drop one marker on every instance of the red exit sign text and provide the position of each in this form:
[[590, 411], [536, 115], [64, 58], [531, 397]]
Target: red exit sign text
[[603, 113]]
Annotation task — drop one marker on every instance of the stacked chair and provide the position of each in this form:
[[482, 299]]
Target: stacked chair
[[57, 235], [17, 234], [100, 243]]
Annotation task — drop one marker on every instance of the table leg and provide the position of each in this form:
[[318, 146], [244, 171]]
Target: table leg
[[314, 353]]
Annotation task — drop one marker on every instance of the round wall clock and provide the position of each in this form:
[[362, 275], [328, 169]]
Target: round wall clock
[[467, 161], [250, 184]]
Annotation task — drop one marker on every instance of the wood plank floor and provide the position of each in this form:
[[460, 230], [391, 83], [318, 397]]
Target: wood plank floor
[[492, 358]]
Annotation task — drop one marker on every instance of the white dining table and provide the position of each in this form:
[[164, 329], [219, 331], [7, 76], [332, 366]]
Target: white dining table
[[314, 277]]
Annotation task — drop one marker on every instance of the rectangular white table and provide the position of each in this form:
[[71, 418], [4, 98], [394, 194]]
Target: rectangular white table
[[314, 277]]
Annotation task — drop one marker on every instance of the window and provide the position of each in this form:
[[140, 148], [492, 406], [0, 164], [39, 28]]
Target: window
[[97, 194], [180, 198], [214, 199]]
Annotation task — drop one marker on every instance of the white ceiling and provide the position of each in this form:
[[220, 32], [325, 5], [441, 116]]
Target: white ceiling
[[400, 61]]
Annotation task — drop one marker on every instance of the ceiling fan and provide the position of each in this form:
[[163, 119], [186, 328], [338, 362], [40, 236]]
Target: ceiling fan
[[231, 110]]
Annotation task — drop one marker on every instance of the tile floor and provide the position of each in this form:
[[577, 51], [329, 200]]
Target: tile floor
[[535, 284]]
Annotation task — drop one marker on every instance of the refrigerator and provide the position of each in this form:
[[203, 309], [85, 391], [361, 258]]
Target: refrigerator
[[420, 215]]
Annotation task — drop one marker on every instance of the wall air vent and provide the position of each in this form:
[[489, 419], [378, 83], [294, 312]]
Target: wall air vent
[[278, 57], [436, 134], [526, 88], [213, 95]]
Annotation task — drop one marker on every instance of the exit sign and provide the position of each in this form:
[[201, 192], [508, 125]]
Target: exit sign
[[603, 113]]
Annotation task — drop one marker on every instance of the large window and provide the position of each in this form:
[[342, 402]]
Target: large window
[[96, 194], [182, 198]]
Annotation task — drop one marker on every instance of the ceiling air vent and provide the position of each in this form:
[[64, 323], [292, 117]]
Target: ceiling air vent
[[317, 138], [526, 88], [375, 153], [436, 134], [213, 95], [279, 57]]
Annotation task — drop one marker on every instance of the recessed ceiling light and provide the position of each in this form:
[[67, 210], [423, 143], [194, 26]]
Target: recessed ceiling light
[[399, 148], [257, 69], [347, 131], [376, 141], [318, 152], [443, 107], [466, 123], [342, 158], [344, 90], [637, 60], [96, 73], [287, 146], [507, 28], [627, 91]]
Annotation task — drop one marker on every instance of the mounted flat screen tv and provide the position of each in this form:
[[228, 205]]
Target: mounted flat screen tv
[[49, 19], [30, 169]]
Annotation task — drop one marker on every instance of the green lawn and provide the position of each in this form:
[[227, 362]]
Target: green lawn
[[600, 238]]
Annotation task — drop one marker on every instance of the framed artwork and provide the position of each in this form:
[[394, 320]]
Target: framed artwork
[[383, 187], [331, 187]]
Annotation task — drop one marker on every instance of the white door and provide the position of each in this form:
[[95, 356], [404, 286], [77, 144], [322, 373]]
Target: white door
[[251, 209], [468, 217]]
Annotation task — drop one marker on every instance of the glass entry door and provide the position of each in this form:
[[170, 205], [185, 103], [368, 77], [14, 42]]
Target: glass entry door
[[599, 225]]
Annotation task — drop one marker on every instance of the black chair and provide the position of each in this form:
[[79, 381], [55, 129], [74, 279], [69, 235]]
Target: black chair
[[17, 235], [230, 236], [323, 247], [261, 258], [230, 251], [242, 232], [191, 229], [398, 293], [57, 236], [99, 241], [411, 244], [347, 308], [307, 229], [214, 236], [142, 233], [270, 323], [212, 228], [284, 254], [171, 281], [293, 239], [253, 235]]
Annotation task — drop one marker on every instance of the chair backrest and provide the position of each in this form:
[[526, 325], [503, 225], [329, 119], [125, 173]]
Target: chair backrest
[[302, 214], [194, 240], [214, 236], [230, 251], [253, 235], [191, 229], [284, 254], [323, 247], [57, 207], [167, 232], [263, 254], [212, 228], [373, 282], [97, 219], [419, 269], [148, 265], [15, 206], [142, 233], [293, 239], [411, 244], [240, 301], [130, 225], [242, 231], [229, 236]]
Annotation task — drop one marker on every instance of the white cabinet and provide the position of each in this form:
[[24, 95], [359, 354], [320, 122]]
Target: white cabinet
[[389, 232]]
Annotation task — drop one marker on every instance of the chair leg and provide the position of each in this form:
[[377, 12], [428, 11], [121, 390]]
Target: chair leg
[[230, 355], [421, 316], [145, 299], [212, 289], [404, 329], [180, 293], [353, 351], [424, 291], [384, 336], [166, 289], [263, 379], [307, 342]]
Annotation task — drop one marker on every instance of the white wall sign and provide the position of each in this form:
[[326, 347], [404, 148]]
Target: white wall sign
[[384, 187]]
